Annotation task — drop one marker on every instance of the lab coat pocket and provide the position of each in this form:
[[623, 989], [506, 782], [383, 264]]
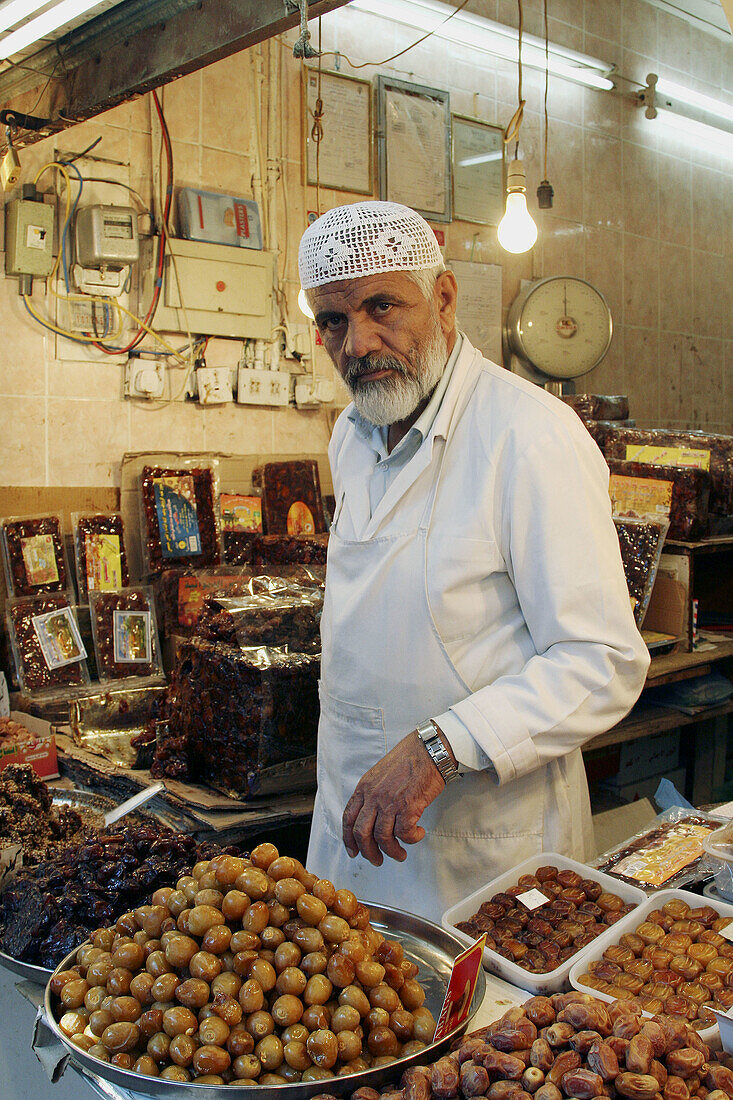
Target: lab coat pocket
[[467, 585], [356, 740]]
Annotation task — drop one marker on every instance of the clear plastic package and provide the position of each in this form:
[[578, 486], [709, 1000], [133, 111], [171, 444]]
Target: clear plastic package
[[106, 721], [666, 854], [125, 634], [596, 406], [179, 523], [47, 645], [641, 542], [34, 556], [238, 547], [664, 447], [291, 497], [269, 552], [180, 594], [719, 859], [277, 613], [681, 492], [232, 716], [99, 548]]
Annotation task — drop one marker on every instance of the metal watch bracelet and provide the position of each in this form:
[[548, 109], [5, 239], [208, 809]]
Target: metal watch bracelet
[[430, 737]]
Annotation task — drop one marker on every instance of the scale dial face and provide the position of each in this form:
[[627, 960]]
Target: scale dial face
[[561, 325]]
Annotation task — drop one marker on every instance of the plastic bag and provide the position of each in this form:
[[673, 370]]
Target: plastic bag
[[47, 645], [178, 520], [665, 855], [278, 613], [641, 543], [99, 548], [180, 594], [125, 634], [291, 497], [105, 722], [718, 859], [269, 552], [683, 490], [33, 555]]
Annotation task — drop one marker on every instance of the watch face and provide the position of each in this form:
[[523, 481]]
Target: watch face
[[564, 327]]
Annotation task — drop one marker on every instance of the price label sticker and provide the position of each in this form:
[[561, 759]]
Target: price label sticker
[[727, 932], [461, 987], [533, 899]]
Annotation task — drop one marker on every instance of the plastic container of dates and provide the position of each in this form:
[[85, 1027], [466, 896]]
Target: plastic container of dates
[[125, 634], [179, 520], [99, 549], [551, 981], [34, 557], [628, 925]]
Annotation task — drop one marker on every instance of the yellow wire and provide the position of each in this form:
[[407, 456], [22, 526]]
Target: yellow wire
[[88, 297]]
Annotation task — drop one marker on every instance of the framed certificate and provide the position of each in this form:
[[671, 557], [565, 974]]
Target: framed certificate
[[478, 171], [414, 127], [345, 159]]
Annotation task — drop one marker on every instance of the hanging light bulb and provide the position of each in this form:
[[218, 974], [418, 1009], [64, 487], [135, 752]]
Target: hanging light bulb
[[516, 231], [303, 304]]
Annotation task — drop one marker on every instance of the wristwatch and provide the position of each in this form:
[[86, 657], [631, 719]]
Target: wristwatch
[[430, 737]]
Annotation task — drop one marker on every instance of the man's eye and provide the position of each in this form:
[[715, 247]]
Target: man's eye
[[382, 307], [330, 324]]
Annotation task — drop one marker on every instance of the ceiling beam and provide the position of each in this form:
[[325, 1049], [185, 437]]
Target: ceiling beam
[[138, 46]]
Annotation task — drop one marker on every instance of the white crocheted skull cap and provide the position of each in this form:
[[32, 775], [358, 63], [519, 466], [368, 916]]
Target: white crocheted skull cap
[[365, 238]]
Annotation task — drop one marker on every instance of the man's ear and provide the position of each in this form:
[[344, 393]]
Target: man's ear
[[446, 296]]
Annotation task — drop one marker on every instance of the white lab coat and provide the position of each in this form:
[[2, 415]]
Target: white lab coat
[[486, 586]]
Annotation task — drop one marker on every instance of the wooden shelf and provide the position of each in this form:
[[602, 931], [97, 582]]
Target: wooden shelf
[[683, 666], [646, 720], [704, 546]]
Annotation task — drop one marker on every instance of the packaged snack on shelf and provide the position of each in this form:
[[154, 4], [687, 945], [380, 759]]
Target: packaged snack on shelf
[[680, 492], [271, 551], [666, 854], [664, 447], [641, 543], [180, 594], [277, 613], [291, 497], [240, 512], [232, 716], [47, 645], [179, 524], [238, 547], [125, 634], [581, 403], [107, 721], [101, 558], [33, 555], [596, 406]]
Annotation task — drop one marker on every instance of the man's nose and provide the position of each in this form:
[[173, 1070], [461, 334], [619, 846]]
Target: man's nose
[[362, 338]]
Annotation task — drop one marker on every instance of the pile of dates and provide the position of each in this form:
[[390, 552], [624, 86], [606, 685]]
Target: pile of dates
[[251, 971], [540, 940], [676, 961], [571, 1045]]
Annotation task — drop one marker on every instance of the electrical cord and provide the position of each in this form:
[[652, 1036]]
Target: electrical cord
[[364, 64], [511, 132]]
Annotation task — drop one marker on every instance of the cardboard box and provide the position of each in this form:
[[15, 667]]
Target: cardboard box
[[40, 753], [669, 607], [646, 787], [647, 756]]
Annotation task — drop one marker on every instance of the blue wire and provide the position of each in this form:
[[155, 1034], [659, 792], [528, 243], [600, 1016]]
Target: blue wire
[[67, 223]]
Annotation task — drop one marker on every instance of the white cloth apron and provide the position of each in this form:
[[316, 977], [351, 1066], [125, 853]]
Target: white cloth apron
[[385, 670]]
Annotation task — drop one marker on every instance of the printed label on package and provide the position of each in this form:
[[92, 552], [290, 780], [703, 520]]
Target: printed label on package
[[300, 519], [39, 557], [104, 562], [461, 987], [640, 496], [194, 591], [668, 456], [59, 638], [175, 504], [533, 899], [132, 637], [240, 513]]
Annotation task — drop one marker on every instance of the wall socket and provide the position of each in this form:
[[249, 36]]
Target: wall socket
[[263, 387], [144, 378], [214, 385]]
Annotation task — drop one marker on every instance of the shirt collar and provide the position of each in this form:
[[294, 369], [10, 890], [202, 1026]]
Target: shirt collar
[[377, 436]]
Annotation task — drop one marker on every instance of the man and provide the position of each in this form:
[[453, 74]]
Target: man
[[476, 624]]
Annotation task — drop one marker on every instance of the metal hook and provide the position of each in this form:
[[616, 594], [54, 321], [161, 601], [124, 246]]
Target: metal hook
[[302, 47]]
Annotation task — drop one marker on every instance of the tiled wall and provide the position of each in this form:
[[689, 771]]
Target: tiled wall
[[640, 212]]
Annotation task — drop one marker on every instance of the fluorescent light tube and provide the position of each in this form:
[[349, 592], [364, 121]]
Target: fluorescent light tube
[[687, 96], [46, 23], [12, 13], [711, 138], [466, 29]]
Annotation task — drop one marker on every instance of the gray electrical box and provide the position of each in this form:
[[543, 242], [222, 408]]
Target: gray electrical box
[[28, 238], [106, 237]]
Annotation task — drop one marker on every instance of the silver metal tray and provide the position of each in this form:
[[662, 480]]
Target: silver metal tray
[[81, 800], [30, 971], [431, 947]]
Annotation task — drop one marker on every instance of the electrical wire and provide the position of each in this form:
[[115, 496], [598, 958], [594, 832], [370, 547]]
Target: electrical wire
[[364, 64], [511, 133], [78, 156], [547, 84]]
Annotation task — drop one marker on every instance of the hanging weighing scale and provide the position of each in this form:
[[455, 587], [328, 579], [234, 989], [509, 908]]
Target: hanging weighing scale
[[557, 329]]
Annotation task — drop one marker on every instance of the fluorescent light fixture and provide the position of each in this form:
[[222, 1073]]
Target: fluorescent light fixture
[[467, 29], [43, 25], [481, 158], [704, 107], [711, 138], [13, 12]]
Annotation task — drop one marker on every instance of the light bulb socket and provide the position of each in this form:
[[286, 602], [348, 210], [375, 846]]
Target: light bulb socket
[[544, 195], [515, 177]]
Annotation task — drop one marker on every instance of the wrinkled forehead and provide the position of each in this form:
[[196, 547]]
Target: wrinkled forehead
[[349, 294]]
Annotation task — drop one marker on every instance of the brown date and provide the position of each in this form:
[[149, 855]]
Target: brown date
[[626, 1026], [587, 1018], [532, 1079], [474, 1080], [640, 1054], [560, 1033], [655, 1034], [445, 1079], [719, 1077], [565, 1062], [540, 1011], [503, 1065], [516, 1036], [582, 1083], [618, 1045], [684, 1062], [542, 1055], [636, 1086], [602, 1060], [675, 1089], [548, 1092], [582, 1041], [506, 1090], [415, 1083]]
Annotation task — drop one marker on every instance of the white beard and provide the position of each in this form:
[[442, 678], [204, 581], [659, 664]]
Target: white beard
[[389, 400]]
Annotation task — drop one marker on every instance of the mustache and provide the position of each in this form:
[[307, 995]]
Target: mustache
[[367, 364]]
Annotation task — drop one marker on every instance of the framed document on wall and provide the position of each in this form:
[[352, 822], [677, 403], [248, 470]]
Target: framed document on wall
[[478, 171], [414, 126], [345, 159]]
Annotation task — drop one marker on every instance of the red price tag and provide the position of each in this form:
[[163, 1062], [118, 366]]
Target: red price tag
[[461, 988]]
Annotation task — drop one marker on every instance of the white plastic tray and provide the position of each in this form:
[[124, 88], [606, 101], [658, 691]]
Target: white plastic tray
[[630, 923], [554, 980]]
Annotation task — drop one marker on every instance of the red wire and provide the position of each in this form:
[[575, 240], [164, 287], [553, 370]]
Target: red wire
[[141, 333]]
